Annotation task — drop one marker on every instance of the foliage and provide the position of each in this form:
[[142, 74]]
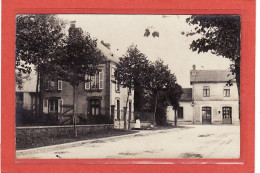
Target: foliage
[[20, 78], [159, 76], [164, 88], [77, 57], [132, 69], [154, 84], [37, 38], [218, 34]]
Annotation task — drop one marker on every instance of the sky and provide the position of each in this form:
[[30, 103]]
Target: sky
[[121, 31], [171, 46]]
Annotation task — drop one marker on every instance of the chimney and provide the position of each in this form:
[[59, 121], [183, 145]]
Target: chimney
[[194, 67], [193, 71], [73, 24]]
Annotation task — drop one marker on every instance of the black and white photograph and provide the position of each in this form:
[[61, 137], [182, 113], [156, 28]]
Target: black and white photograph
[[117, 86]]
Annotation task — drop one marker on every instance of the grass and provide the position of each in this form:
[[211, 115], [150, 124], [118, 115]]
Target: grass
[[46, 140]]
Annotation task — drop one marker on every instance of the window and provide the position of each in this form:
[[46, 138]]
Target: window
[[95, 81], [52, 85], [100, 80], [226, 92], [45, 103], [95, 107], [206, 91], [180, 113]]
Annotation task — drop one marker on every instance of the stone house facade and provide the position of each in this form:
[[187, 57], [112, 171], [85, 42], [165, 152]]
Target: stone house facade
[[210, 100], [98, 98]]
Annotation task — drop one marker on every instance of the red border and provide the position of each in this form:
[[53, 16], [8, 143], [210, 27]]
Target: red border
[[245, 8]]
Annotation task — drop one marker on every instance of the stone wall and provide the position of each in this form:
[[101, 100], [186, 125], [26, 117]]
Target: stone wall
[[32, 132]]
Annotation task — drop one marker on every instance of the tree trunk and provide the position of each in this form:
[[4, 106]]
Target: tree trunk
[[125, 111], [37, 94], [175, 118], [155, 108], [41, 78], [74, 115]]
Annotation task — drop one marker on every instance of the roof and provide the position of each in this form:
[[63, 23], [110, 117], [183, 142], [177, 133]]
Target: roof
[[186, 95], [211, 76], [107, 53]]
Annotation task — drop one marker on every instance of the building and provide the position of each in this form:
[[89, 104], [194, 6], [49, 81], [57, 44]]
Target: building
[[100, 100], [26, 100], [210, 100]]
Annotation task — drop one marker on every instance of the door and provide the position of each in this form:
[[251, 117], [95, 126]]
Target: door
[[227, 115], [206, 115]]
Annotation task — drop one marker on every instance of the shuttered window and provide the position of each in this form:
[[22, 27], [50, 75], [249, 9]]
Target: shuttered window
[[59, 85], [87, 84]]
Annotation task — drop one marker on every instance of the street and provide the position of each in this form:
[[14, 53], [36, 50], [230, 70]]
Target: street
[[189, 141]]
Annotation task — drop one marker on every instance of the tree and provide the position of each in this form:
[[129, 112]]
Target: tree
[[37, 39], [132, 71], [220, 35], [20, 78], [174, 93], [78, 57], [161, 80]]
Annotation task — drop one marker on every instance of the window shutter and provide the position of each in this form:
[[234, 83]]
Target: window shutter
[[59, 106], [87, 84], [59, 85], [45, 106], [101, 80]]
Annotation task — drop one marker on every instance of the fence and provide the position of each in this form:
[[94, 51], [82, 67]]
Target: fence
[[144, 116]]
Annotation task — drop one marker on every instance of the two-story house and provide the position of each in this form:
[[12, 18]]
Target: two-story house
[[98, 98], [210, 100]]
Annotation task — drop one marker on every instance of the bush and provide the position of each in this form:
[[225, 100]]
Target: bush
[[24, 117], [100, 119]]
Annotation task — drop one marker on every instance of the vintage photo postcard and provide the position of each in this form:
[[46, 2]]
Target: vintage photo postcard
[[107, 86]]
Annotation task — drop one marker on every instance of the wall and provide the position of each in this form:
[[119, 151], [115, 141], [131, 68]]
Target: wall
[[187, 114], [216, 92], [107, 95], [216, 111], [216, 101], [122, 96], [23, 133], [82, 95], [27, 101]]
